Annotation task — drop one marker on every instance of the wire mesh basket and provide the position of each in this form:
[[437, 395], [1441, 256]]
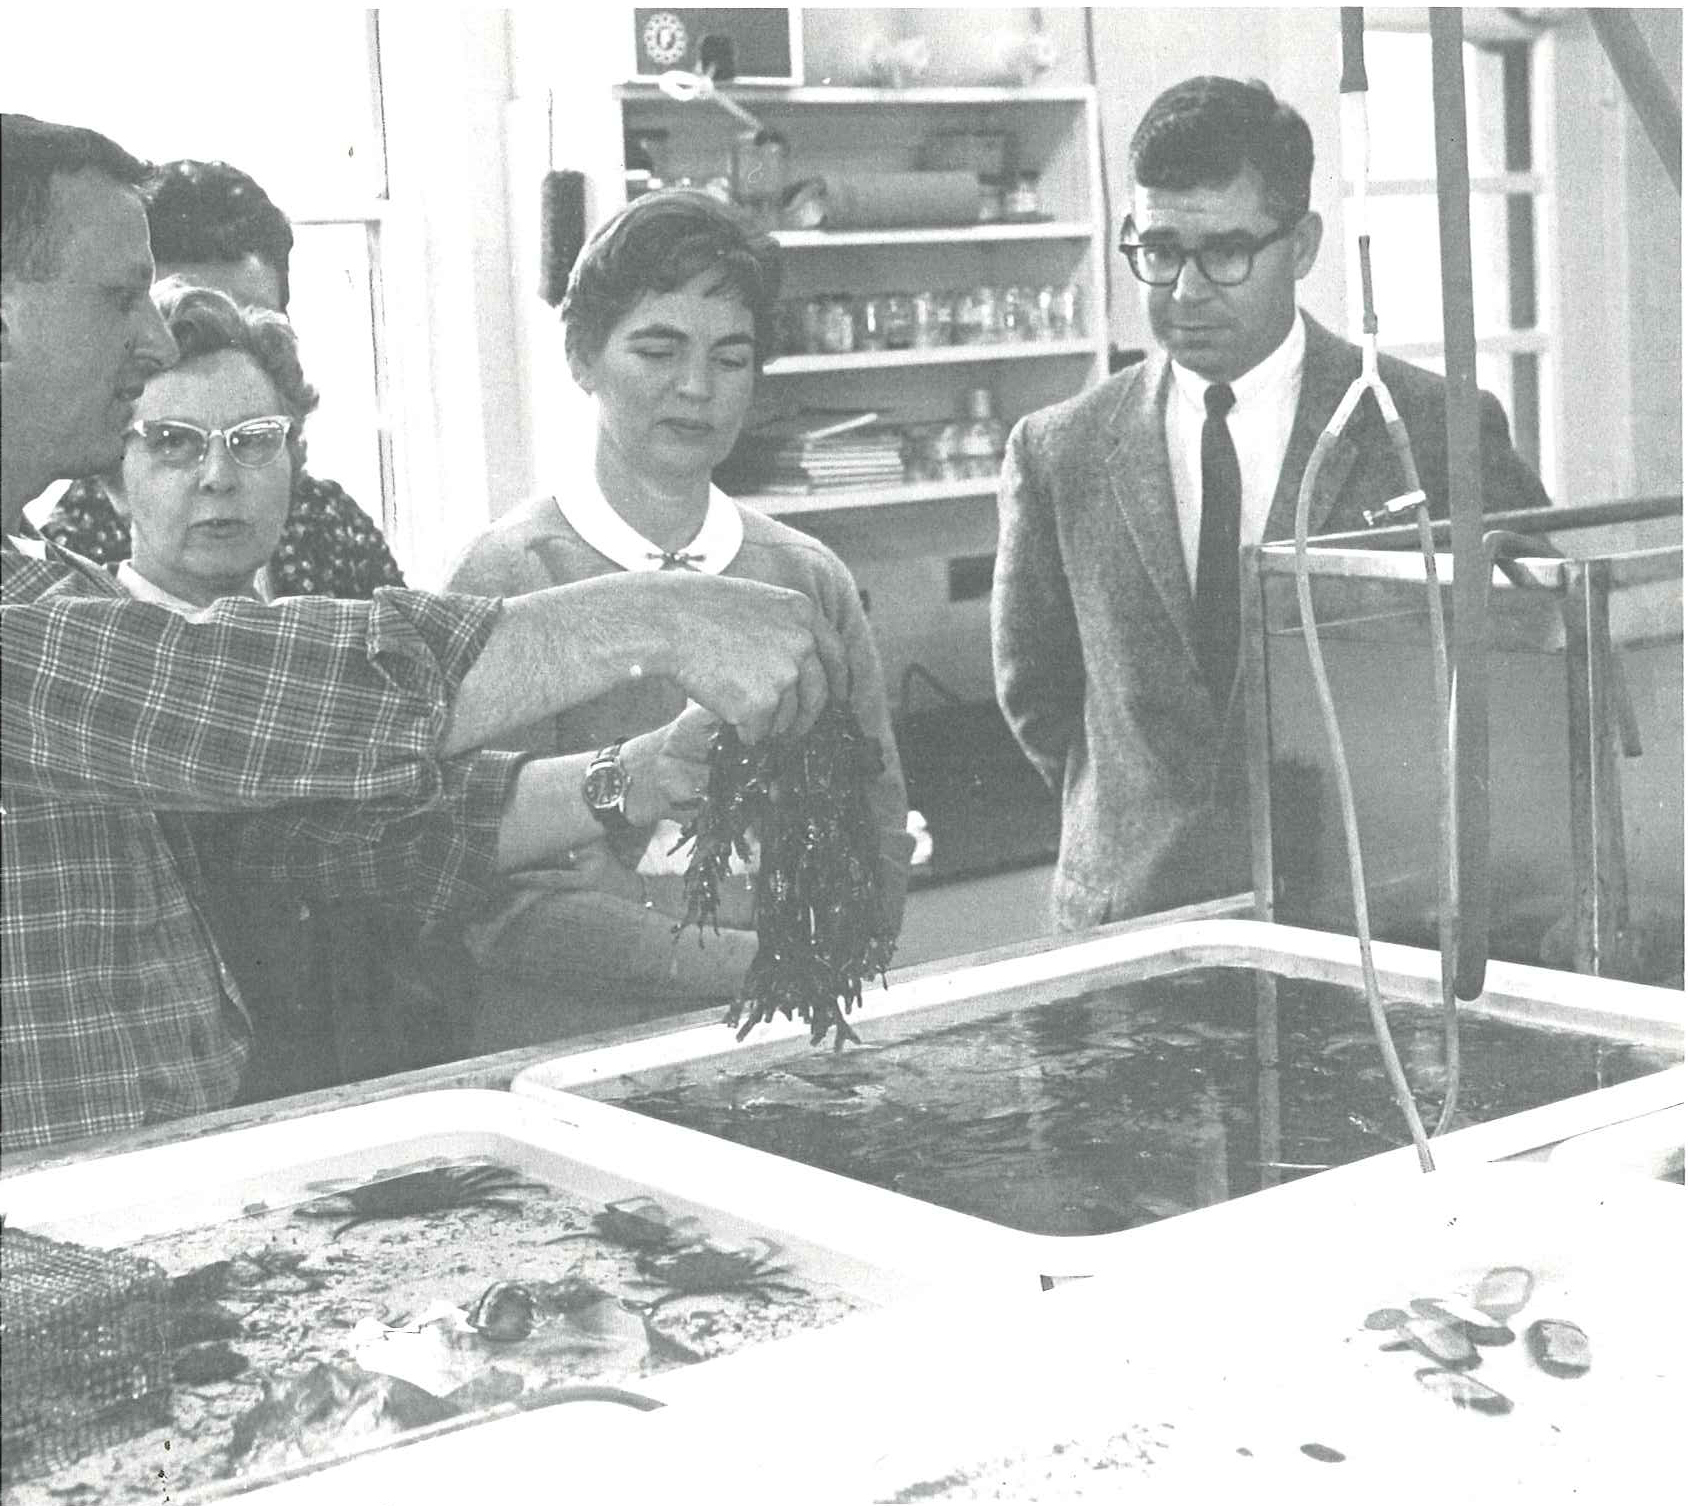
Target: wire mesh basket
[[86, 1342]]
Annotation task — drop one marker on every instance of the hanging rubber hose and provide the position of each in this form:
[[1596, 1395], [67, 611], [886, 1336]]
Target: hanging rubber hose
[[1356, 139], [1355, 134]]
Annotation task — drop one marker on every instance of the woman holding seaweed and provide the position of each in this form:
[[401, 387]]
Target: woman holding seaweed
[[668, 312]]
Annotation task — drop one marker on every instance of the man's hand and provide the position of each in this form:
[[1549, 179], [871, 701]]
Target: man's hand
[[761, 658], [758, 656]]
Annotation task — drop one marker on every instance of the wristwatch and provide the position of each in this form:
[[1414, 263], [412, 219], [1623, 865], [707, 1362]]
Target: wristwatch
[[606, 785]]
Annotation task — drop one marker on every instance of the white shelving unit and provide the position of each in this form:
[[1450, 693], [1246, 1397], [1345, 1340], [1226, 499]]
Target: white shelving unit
[[1055, 134]]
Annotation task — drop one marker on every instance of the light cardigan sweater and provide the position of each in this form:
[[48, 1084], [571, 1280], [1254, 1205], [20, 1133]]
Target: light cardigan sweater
[[536, 546]]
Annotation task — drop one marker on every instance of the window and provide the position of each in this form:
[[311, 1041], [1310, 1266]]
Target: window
[[1514, 343], [294, 100]]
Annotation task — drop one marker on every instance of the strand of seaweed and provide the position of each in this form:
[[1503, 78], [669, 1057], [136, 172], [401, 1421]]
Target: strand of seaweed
[[820, 921]]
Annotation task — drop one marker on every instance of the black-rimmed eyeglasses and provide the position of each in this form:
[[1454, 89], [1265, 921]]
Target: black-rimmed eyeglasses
[[177, 444], [1224, 262]]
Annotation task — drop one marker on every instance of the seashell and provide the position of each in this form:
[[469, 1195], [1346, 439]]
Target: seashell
[[1559, 1348], [1464, 1391], [1479, 1327], [1504, 1291], [505, 1312], [1445, 1343], [1386, 1318]]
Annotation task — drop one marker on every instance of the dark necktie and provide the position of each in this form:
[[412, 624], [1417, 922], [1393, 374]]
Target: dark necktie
[[1218, 615]]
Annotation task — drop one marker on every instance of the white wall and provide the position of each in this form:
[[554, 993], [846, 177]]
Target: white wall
[[450, 307], [1617, 244]]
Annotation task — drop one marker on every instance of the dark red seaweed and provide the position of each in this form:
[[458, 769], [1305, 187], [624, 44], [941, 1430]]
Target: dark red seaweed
[[820, 921]]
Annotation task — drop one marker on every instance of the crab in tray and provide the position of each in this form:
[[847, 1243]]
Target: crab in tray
[[639, 1223], [707, 1267], [416, 1194]]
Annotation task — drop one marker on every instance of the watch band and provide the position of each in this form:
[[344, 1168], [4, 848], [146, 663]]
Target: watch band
[[605, 788]]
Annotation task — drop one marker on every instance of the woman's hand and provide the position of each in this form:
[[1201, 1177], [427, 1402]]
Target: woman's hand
[[669, 767]]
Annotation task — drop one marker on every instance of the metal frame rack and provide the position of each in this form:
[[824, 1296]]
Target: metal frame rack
[[1588, 610]]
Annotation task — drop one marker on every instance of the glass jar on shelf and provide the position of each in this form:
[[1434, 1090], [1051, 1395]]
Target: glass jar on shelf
[[946, 451], [934, 319], [1020, 199], [831, 320], [1018, 313], [923, 459], [759, 175], [899, 321], [983, 439], [1070, 303], [977, 319], [872, 322]]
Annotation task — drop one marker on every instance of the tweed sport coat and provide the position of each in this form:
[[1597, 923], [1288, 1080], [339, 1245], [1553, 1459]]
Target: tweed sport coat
[[1092, 617]]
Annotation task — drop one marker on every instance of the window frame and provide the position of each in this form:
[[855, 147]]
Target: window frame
[[1532, 288]]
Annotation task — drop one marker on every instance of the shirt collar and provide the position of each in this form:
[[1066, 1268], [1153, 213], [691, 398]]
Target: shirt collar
[[1277, 371], [711, 550], [142, 589]]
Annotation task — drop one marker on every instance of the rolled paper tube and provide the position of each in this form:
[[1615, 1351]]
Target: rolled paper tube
[[879, 201]]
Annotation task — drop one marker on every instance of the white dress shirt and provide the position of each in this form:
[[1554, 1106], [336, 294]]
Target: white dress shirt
[[1260, 425], [142, 589]]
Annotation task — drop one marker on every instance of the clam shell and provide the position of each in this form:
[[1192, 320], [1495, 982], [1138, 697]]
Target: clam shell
[[1479, 1327], [1443, 1342], [1464, 1391], [1559, 1348], [1504, 1291]]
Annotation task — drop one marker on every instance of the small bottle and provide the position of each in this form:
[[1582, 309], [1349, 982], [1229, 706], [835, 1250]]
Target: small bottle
[[1019, 200], [873, 323], [984, 438], [977, 318], [934, 319]]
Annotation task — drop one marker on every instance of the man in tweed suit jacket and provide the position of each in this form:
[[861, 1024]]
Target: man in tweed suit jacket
[[1094, 624]]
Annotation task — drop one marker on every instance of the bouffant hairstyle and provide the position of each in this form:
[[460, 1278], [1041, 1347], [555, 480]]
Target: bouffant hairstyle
[[32, 153], [1203, 132], [209, 211], [658, 243], [205, 321]]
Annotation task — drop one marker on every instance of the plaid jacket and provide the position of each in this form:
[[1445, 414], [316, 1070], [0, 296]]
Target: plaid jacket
[[121, 724]]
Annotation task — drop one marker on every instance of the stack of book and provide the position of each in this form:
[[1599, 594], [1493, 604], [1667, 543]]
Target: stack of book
[[819, 452]]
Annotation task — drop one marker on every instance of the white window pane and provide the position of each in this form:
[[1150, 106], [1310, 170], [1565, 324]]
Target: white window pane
[[330, 308], [1407, 267], [289, 99], [1402, 116], [286, 96]]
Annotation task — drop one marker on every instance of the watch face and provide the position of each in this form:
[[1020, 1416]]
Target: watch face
[[606, 784]]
